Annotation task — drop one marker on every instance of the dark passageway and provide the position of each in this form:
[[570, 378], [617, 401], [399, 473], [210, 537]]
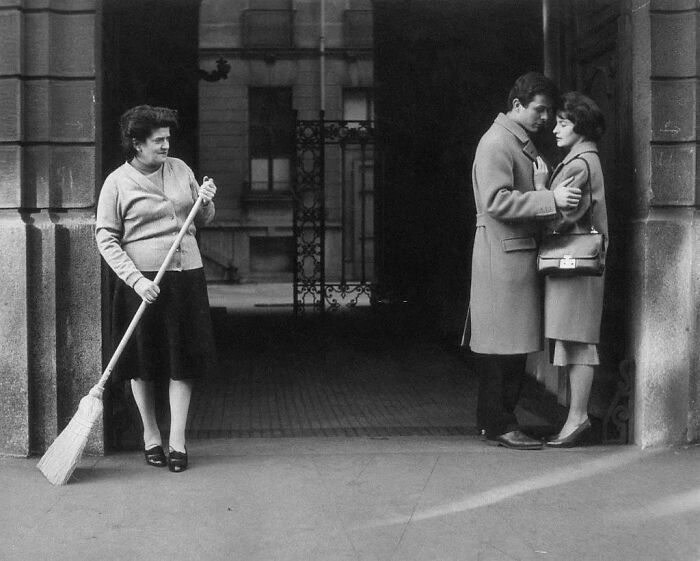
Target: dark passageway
[[442, 73], [443, 70], [360, 373]]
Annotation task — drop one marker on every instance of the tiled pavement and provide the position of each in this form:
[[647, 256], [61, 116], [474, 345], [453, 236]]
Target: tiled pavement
[[354, 373], [368, 498], [359, 374]]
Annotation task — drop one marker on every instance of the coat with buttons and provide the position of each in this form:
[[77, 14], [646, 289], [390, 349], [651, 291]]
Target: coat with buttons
[[137, 221], [506, 292], [574, 305]]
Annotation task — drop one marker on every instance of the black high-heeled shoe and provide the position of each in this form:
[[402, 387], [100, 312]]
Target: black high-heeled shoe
[[177, 461], [573, 439], [155, 456]]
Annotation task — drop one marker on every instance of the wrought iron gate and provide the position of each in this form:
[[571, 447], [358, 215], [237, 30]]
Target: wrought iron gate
[[333, 215]]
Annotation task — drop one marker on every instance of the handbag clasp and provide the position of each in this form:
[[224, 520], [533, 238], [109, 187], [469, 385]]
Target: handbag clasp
[[567, 262]]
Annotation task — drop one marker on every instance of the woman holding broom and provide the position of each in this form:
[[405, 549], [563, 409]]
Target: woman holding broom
[[142, 206]]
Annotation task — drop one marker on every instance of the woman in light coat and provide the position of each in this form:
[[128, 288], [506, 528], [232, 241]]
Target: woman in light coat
[[574, 305]]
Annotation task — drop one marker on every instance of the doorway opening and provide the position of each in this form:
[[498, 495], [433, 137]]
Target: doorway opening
[[442, 72], [400, 221]]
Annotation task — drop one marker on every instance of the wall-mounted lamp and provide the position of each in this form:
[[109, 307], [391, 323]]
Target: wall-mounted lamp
[[221, 73]]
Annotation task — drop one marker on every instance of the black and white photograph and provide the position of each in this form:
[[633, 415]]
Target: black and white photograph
[[350, 280]]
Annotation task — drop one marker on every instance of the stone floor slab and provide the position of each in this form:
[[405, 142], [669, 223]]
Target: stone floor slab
[[361, 499]]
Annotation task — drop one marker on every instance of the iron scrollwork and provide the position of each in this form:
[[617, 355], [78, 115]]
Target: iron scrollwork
[[308, 215], [344, 294], [616, 424], [311, 289]]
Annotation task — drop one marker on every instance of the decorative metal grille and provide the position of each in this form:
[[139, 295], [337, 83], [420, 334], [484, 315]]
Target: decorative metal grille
[[346, 279], [616, 424]]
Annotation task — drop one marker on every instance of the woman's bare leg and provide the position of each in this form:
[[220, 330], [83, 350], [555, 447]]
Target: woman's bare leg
[[145, 401], [580, 380], [180, 393]]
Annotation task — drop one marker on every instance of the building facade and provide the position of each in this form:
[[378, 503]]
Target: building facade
[[270, 53], [640, 57]]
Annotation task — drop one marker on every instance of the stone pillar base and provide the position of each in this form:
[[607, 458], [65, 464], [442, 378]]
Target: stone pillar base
[[14, 348], [50, 327], [665, 307]]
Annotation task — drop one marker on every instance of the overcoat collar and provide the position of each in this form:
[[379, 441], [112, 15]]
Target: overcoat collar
[[135, 175], [580, 148], [576, 150], [518, 132]]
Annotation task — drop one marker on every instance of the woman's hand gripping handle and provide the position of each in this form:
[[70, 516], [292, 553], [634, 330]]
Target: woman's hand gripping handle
[[207, 190]]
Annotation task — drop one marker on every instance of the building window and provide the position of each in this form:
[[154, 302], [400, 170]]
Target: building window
[[357, 29], [271, 138], [268, 24], [358, 104]]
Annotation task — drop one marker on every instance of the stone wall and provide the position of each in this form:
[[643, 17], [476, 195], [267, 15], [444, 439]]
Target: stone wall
[[50, 297], [50, 342], [652, 206], [666, 304]]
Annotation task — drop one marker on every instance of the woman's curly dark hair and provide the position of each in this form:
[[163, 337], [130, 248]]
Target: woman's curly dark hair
[[138, 123], [584, 113]]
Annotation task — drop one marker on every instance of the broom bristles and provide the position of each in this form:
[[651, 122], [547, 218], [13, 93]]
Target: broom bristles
[[60, 460]]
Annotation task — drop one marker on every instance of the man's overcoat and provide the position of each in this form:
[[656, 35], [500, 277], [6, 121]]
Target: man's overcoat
[[506, 292]]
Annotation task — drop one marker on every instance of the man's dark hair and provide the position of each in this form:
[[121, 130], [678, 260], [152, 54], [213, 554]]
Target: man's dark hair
[[584, 113], [529, 85], [138, 123]]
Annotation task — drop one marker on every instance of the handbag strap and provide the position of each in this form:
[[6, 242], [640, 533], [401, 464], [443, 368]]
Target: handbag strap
[[590, 186]]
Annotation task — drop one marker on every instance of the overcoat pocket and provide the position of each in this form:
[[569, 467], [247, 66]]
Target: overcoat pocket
[[519, 244]]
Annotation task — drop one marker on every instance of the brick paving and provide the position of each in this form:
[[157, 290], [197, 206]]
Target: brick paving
[[349, 374]]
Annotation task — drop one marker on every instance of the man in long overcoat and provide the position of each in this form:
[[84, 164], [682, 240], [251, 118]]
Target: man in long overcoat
[[506, 294]]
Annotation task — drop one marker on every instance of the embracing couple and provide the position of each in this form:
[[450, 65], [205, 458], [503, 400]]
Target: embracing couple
[[512, 309]]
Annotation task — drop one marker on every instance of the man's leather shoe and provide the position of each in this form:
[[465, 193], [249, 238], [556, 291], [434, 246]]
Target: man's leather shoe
[[515, 440], [573, 439]]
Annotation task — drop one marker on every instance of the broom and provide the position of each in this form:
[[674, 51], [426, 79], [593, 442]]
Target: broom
[[61, 458]]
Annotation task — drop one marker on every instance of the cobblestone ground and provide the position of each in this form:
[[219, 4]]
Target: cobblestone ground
[[363, 372], [355, 374]]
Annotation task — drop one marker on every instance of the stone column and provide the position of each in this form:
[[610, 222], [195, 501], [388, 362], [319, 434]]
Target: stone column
[[666, 234], [50, 310]]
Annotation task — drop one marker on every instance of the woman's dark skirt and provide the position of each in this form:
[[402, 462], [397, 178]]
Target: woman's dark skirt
[[174, 339]]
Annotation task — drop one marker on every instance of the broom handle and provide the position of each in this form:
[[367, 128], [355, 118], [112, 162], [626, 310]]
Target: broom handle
[[99, 387]]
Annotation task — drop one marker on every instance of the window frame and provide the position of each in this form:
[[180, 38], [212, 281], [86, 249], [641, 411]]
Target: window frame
[[249, 24], [369, 102], [358, 32], [274, 149]]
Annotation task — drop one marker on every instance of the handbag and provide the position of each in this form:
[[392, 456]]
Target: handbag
[[573, 254]]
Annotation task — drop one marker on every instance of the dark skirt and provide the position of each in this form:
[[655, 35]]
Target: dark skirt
[[174, 338]]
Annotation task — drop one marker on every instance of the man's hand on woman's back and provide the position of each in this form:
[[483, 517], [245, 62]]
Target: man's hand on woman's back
[[565, 196]]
